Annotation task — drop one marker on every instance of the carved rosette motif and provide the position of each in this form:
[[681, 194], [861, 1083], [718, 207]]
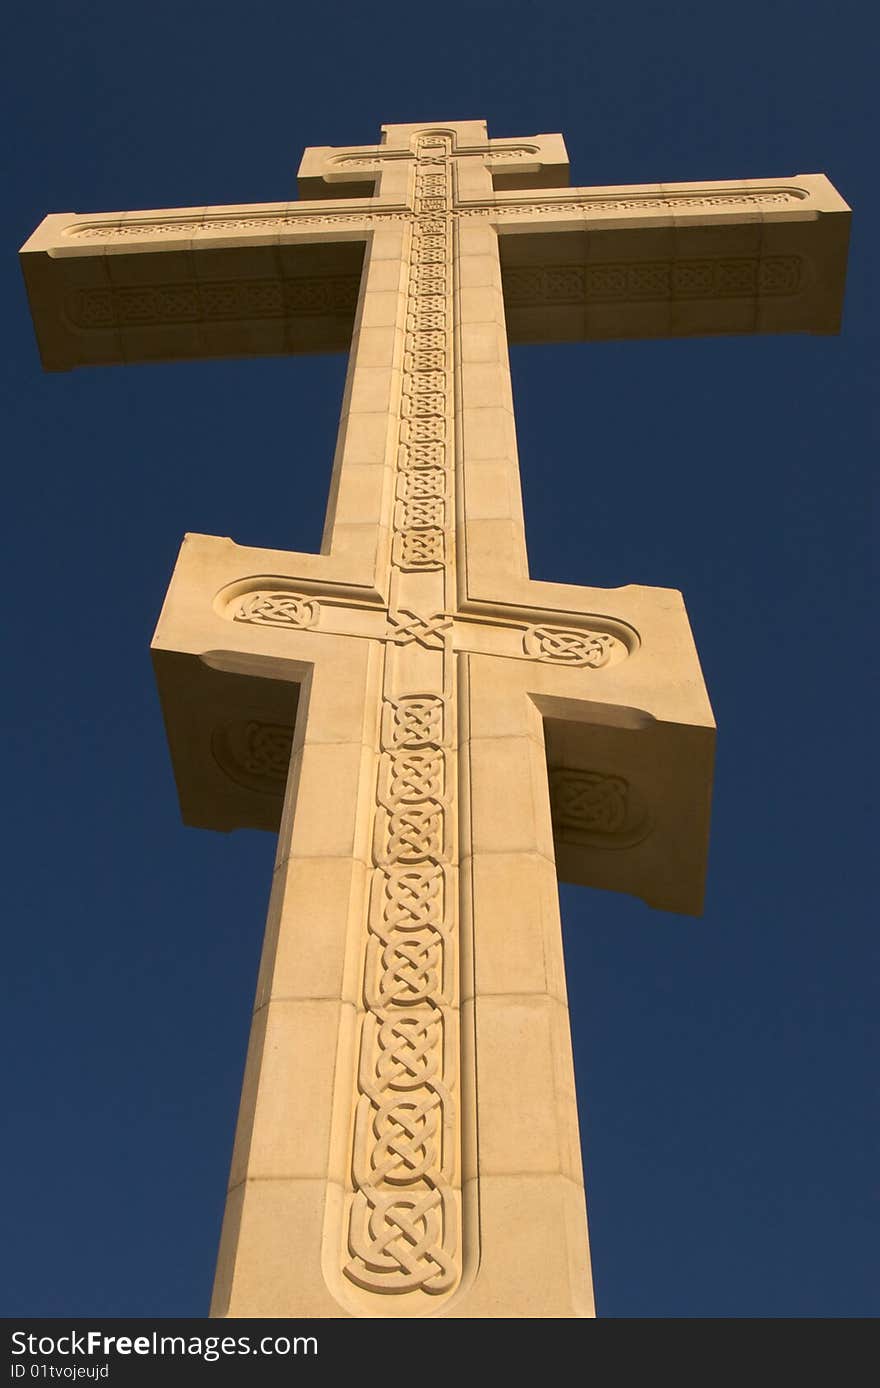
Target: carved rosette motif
[[404, 1217]]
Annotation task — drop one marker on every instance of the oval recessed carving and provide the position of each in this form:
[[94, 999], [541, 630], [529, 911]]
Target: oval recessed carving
[[274, 609], [253, 754], [598, 809], [568, 646]]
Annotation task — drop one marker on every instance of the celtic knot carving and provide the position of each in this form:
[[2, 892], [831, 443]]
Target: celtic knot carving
[[253, 754], [403, 1220], [418, 454], [412, 833], [428, 631], [563, 646], [405, 1141], [413, 720], [413, 775], [422, 510], [434, 302], [497, 156], [780, 274], [410, 1052], [594, 807], [428, 288], [657, 280], [268, 749], [425, 382], [648, 202], [428, 430], [591, 800], [409, 959], [430, 341], [197, 225], [399, 1241], [427, 359], [423, 318], [277, 610], [419, 405], [419, 486], [419, 549], [230, 301], [409, 972], [429, 272], [410, 898]]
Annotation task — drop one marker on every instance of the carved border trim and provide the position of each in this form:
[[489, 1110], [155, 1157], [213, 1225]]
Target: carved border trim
[[403, 1231], [201, 224], [495, 155], [730, 277], [219, 301], [578, 647]]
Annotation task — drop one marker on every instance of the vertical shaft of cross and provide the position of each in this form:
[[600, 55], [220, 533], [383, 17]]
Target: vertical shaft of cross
[[393, 1221], [416, 989]]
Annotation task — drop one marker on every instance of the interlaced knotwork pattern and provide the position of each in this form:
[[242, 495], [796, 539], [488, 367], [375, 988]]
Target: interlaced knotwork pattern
[[411, 776], [403, 1231], [590, 800], [277, 610], [413, 720], [418, 486], [419, 549], [428, 631], [563, 646]]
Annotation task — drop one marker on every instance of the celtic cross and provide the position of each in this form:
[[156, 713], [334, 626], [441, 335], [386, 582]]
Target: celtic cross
[[435, 735]]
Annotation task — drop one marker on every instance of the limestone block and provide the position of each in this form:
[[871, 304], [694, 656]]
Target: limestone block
[[527, 1118], [373, 388], [363, 499], [270, 1252], [287, 1094], [508, 796], [377, 346], [515, 900], [488, 431], [522, 1218]]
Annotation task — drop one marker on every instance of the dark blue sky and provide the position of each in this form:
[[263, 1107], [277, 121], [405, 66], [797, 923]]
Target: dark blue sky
[[726, 1067]]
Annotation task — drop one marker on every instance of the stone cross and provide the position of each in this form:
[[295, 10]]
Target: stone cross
[[435, 735]]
